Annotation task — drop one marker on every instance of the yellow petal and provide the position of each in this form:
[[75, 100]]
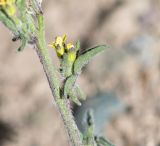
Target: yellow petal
[[60, 52], [2, 2], [52, 45], [6, 2], [69, 46], [59, 41], [10, 9], [64, 37]]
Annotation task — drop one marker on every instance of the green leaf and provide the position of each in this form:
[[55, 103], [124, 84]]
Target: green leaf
[[36, 4], [74, 98], [24, 42], [81, 95], [89, 133], [74, 92], [68, 85], [8, 22], [28, 25], [78, 45], [101, 141], [84, 57], [21, 4], [69, 89]]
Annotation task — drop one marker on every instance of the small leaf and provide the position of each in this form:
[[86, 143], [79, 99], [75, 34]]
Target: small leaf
[[36, 5], [89, 133], [81, 95], [89, 118], [84, 57], [103, 142], [21, 4], [78, 45], [75, 93], [74, 98], [23, 44], [68, 85], [8, 22]]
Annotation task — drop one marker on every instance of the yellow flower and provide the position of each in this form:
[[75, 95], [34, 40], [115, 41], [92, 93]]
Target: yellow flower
[[7, 2], [59, 45], [71, 52], [8, 6], [69, 46], [2, 2]]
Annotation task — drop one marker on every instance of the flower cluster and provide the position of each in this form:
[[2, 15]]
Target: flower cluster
[[8, 6], [63, 48]]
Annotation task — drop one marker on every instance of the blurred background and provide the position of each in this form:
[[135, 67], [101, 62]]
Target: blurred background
[[122, 84]]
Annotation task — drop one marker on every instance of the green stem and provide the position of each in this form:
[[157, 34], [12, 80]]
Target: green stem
[[50, 71]]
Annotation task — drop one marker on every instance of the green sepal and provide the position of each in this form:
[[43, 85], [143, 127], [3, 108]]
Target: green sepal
[[66, 66], [85, 56], [69, 84], [78, 45]]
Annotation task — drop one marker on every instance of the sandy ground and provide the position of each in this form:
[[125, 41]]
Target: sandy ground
[[130, 69]]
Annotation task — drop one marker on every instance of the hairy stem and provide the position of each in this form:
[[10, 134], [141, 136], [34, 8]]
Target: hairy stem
[[50, 71]]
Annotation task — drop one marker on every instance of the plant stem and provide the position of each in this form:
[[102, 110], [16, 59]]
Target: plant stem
[[50, 71]]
